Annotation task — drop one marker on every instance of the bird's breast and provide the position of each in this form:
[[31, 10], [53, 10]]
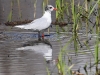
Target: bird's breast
[[49, 20]]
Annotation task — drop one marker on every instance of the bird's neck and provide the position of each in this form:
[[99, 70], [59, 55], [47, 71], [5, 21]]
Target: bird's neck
[[47, 14]]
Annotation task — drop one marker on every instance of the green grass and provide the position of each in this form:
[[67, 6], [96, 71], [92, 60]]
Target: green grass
[[78, 14], [19, 9], [35, 8], [9, 18]]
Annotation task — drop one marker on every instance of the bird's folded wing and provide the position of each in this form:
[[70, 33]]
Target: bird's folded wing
[[36, 24]]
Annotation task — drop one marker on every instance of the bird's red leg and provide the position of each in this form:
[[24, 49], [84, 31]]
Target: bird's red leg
[[43, 36]]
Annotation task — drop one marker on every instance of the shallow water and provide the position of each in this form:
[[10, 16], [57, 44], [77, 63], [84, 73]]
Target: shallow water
[[30, 62], [27, 62]]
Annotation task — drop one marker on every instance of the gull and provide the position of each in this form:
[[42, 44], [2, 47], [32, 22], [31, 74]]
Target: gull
[[41, 23]]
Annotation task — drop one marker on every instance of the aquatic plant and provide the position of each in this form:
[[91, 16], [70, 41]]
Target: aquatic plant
[[80, 13], [19, 9], [9, 18], [35, 9]]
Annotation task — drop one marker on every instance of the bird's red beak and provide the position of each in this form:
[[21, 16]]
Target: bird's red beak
[[55, 9]]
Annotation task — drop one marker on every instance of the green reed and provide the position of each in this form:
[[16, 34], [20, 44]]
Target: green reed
[[75, 18], [79, 14], [19, 9], [90, 13], [63, 68], [61, 64], [45, 2], [61, 9], [97, 45], [48, 71], [35, 9], [9, 18]]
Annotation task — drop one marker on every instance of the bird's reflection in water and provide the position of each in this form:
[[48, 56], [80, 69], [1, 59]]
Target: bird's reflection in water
[[39, 46]]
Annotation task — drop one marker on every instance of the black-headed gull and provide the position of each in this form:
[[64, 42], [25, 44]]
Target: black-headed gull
[[41, 23]]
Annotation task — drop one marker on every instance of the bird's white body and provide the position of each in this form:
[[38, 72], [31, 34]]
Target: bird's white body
[[38, 24]]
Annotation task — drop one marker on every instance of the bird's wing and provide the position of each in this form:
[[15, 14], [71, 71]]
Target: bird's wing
[[37, 24]]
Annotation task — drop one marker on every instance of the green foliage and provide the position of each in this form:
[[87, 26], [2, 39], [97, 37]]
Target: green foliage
[[20, 13], [79, 14], [9, 18]]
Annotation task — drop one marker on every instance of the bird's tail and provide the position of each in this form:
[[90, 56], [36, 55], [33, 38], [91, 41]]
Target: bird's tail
[[19, 26]]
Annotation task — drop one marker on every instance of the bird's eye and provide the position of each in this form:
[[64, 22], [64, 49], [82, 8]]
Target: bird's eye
[[50, 7]]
